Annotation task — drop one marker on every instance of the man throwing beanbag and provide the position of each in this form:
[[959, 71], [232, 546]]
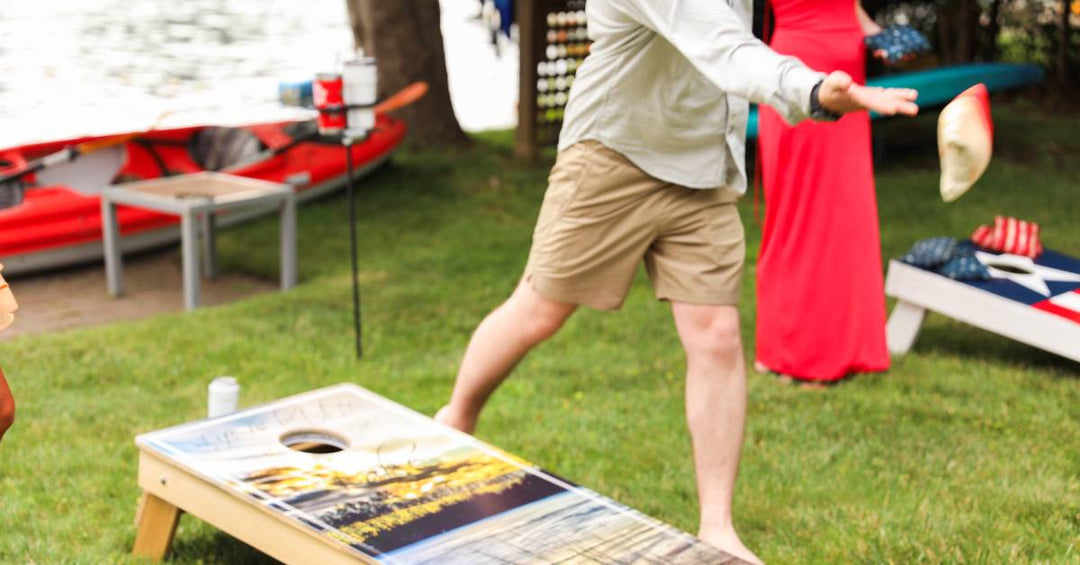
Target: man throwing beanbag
[[649, 168]]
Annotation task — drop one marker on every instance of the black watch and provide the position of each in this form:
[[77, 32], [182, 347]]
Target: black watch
[[819, 113]]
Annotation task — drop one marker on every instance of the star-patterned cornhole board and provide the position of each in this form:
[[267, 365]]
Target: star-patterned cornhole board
[[1036, 302], [369, 481]]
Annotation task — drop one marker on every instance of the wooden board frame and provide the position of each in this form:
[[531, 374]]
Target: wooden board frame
[[252, 524], [918, 290]]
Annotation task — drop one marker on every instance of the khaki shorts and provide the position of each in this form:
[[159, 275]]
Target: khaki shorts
[[602, 215]]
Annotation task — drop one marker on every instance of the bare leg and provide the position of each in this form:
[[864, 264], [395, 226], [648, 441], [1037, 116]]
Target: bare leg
[[499, 343], [715, 413]]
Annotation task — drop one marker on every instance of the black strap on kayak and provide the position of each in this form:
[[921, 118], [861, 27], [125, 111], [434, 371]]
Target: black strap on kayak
[[149, 147], [11, 191]]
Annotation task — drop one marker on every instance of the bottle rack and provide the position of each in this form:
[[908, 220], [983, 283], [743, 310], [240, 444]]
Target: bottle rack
[[566, 44], [554, 44]]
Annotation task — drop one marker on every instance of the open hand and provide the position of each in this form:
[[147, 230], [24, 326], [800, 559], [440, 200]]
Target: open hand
[[840, 94]]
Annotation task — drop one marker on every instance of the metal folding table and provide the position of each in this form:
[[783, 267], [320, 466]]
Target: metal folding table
[[196, 199]]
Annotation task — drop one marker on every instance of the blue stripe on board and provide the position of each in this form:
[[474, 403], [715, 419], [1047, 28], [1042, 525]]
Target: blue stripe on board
[[491, 518], [1017, 293], [1056, 260]]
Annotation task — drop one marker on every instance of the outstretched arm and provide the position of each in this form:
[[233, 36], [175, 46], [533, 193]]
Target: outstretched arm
[[840, 94], [710, 34], [868, 25]]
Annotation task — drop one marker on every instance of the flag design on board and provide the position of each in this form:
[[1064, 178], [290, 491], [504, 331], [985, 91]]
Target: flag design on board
[[1050, 283], [1066, 305]]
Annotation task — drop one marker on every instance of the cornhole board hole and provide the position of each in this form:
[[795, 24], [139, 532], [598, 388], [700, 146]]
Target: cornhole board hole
[[1034, 302], [369, 481]]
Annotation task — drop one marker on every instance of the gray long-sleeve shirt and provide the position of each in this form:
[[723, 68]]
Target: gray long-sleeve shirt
[[667, 84]]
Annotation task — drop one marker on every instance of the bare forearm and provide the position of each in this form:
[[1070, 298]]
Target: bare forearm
[[868, 25]]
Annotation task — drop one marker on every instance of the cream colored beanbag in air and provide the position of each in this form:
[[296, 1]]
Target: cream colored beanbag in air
[[8, 306], [965, 141]]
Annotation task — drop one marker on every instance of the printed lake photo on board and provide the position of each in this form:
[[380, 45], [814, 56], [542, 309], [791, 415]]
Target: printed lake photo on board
[[396, 487]]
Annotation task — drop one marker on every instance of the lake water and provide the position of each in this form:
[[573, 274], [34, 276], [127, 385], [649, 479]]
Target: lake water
[[69, 67]]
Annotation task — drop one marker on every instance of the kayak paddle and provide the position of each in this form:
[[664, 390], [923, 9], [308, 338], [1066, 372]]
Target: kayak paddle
[[73, 152], [396, 101]]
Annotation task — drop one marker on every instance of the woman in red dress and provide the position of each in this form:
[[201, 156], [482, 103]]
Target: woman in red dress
[[820, 298]]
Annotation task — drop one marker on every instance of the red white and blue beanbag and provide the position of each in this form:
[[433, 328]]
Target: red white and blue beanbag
[[1010, 235], [948, 257]]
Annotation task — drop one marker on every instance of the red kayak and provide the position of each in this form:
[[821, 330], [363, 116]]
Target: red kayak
[[55, 225]]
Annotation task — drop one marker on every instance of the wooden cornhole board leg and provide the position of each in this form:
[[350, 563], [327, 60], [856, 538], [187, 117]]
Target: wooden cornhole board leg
[[169, 490], [903, 326], [156, 521]]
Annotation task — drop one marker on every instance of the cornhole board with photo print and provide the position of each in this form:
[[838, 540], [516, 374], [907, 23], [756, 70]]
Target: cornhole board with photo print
[[1036, 302], [369, 481]]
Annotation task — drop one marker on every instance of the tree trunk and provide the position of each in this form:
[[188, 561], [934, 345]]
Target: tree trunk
[[969, 29], [405, 38], [958, 25], [1063, 44], [992, 32], [945, 26]]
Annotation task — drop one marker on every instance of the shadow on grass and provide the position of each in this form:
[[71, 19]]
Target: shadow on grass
[[958, 340], [215, 547]]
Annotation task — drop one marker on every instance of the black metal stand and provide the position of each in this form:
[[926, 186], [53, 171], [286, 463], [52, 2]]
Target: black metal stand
[[350, 189]]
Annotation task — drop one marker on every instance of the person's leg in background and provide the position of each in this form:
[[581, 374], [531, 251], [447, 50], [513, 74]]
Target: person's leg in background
[[502, 340], [715, 414], [7, 406], [8, 306]]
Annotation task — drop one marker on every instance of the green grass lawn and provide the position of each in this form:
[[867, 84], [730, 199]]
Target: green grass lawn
[[967, 451]]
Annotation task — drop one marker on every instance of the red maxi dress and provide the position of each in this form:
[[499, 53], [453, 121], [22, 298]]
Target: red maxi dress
[[820, 297]]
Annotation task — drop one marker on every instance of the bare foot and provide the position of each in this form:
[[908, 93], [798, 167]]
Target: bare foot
[[728, 541], [447, 416], [788, 379]]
